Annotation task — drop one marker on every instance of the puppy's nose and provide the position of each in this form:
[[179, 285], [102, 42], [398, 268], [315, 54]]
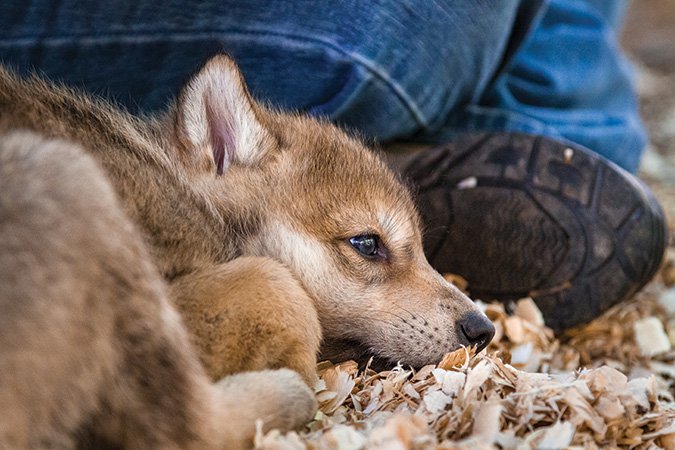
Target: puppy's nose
[[477, 330]]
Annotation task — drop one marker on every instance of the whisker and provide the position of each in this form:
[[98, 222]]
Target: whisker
[[362, 308], [413, 315]]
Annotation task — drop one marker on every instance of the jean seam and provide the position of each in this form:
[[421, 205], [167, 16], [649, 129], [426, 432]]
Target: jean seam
[[368, 64]]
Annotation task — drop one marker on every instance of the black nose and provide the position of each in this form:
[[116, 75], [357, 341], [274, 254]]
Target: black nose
[[477, 330]]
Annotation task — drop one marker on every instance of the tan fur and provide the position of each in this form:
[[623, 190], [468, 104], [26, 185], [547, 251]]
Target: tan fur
[[242, 215], [276, 315], [89, 342]]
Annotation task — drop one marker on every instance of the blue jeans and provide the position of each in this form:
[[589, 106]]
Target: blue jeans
[[393, 69]]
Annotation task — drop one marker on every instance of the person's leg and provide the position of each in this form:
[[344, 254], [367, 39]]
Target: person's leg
[[391, 69], [569, 81]]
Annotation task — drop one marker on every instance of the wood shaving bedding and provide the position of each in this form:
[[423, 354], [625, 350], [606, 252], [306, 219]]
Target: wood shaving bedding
[[608, 384]]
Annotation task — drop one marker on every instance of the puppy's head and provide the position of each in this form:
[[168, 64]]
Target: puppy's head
[[333, 212]]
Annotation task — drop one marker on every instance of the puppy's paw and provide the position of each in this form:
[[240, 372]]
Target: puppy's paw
[[250, 314], [278, 398]]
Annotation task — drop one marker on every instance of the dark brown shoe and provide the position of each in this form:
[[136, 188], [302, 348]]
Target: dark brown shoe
[[520, 215]]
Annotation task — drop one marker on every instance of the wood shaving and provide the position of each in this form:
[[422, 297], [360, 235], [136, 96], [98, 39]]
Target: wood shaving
[[650, 336], [608, 384]]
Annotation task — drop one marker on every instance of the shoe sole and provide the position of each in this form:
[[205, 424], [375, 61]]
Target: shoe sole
[[518, 215]]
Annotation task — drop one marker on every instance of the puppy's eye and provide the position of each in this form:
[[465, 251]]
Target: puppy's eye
[[368, 245]]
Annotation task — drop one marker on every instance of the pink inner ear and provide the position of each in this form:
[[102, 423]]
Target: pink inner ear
[[221, 133], [219, 158]]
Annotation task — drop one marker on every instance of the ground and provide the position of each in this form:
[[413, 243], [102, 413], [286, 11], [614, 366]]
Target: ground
[[609, 384]]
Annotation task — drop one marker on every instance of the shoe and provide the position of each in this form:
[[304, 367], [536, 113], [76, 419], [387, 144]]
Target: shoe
[[520, 215]]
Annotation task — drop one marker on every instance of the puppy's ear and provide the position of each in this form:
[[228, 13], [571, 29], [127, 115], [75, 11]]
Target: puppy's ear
[[216, 117]]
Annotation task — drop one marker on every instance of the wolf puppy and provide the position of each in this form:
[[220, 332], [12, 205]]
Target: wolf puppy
[[91, 352], [263, 229]]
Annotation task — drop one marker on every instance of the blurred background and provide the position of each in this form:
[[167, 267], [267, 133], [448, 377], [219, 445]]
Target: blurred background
[[649, 38]]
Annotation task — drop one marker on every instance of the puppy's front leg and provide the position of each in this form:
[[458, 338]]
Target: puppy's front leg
[[249, 314]]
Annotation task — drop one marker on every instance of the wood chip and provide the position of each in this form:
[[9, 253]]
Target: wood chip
[[457, 359], [667, 300], [596, 388], [527, 309], [558, 435], [487, 421], [651, 337]]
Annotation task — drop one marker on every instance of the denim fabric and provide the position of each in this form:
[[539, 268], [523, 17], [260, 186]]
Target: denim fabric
[[393, 69], [570, 80]]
